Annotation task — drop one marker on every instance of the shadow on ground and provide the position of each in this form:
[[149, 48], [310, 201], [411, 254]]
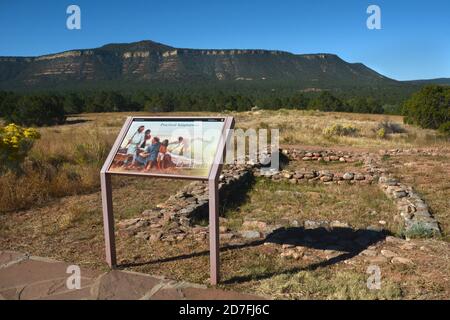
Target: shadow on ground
[[348, 241], [76, 121]]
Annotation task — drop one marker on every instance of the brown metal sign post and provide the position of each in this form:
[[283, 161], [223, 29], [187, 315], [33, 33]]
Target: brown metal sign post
[[211, 175]]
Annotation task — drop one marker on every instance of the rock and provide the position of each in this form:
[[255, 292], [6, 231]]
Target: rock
[[359, 177], [348, 176], [310, 224], [391, 239], [401, 260], [388, 253], [326, 178], [297, 255], [287, 246], [338, 224], [294, 223], [310, 175], [407, 246], [287, 175], [143, 235], [369, 253], [155, 237], [250, 234], [388, 181], [223, 229], [128, 222], [399, 194], [298, 175], [180, 237], [226, 236], [253, 224], [382, 222]]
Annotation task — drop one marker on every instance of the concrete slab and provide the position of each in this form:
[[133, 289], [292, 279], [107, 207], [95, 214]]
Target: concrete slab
[[81, 294], [28, 272], [123, 285], [9, 257], [23, 278]]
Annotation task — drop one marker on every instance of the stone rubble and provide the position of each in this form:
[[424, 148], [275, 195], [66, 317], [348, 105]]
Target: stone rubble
[[174, 219], [320, 155], [177, 218], [413, 210]]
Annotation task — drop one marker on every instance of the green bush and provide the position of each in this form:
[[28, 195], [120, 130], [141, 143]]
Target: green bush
[[419, 231], [38, 110], [428, 108], [327, 102], [340, 130], [384, 128], [445, 128]]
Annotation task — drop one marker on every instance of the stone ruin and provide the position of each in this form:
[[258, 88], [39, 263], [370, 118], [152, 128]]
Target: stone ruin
[[181, 216]]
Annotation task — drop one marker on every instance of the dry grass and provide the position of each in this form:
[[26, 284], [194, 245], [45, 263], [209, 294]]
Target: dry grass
[[63, 219], [66, 160], [430, 176], [327, 284], [306, 128], [281, 203]]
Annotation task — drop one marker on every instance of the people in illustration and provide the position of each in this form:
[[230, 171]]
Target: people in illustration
[[162, 154], [152, 151], [178, 147], [133, 144], [144, 151], [147, 139]]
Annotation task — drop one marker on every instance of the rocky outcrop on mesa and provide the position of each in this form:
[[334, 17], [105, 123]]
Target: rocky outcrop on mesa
[[151, 61]]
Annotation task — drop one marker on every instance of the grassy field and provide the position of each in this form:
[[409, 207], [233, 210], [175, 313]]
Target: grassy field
[[54, 210], [282, 202]]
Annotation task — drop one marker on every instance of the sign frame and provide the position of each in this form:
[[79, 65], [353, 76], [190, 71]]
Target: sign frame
[[212, 178]]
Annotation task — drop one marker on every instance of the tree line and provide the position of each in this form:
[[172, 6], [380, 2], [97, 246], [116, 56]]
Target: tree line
[[47, 108], [428, 108]]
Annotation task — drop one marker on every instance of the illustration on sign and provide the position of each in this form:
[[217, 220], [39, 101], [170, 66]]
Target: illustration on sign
[[178, 147]]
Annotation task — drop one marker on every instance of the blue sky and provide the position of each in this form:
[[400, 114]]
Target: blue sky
[[412, 44]]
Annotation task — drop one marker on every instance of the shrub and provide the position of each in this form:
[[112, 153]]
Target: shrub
[[445, 128], [326, 102], [428, 108], [340, 130], [15, 143], [419, 231], [38, 110], [385, 128], [381, 133]]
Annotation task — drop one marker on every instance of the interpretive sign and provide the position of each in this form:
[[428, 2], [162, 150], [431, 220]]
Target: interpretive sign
[[183, 147], [169, 147]]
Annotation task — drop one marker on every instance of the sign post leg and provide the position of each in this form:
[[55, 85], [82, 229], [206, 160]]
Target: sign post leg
[[108, 219], [214, 231]]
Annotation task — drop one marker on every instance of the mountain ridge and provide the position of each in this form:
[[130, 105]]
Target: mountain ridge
[[148, 61]]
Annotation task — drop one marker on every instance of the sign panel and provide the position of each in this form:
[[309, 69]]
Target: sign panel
[[175, 147]]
